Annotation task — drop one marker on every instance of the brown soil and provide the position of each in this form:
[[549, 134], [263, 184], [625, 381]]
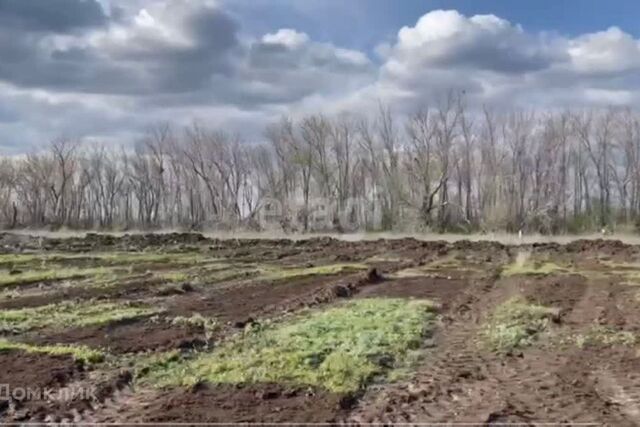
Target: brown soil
[[457, 380], [208, 403], [130, 288], [559, 291], [549, 382], [129, 336], [24, 370], [244, 303], [32, 376], [440, 290]]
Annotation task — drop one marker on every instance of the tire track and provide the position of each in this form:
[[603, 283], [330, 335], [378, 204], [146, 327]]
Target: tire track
[[440, 388], [460, 383]]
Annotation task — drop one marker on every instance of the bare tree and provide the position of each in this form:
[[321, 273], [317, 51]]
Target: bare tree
[[594, 131], [447, 167]]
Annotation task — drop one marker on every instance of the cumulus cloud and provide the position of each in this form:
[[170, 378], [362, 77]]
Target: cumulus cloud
[[497, 62], [482, 42], [287, 66], [169, 47], [109, 69], [610, 51], [164, 60]]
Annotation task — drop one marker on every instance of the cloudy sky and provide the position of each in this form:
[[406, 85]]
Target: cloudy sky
[[106, 70]]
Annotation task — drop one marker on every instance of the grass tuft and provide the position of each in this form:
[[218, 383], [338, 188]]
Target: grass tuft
[[143, 364], [514, 324], [209, 325], [341, 348], [603, 335], [69, 314], [37, 276], [275, 272], [527, 268], [80, 353]]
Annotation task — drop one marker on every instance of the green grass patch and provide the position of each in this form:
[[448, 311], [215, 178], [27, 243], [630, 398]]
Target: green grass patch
[[68, 314], [80, 353], [267, 272], [514, 324], [277, 272], [209, 274], [37, 276], [173, 276], [383, 258], [439, 266], [48, 260], [630, 272], [632, 266], [341, 349], [530, 268], [143, 364], [208, 324], [117, 258], [11, 260], [603, 335]]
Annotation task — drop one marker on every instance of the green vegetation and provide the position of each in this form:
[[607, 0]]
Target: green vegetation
[[528, 268], [629, 271], [24, 269], [209, 325], [10, 260], [276, 272], [440, 265], [631, 266], [143, 364], [36, 268], [384, 258], [603, 335], [340, 349], [117, 258], [173, 276], [104, 259], [515, 323], [80, 353], [37, 276], [211, 273], [267, 272], [69, 314]]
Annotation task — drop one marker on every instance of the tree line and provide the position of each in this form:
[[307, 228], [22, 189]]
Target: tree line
[[444, 168]]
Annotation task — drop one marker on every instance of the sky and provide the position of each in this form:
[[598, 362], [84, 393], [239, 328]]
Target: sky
[[108, 70]]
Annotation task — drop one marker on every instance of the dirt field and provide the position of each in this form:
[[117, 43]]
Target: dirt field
[[183, 328]]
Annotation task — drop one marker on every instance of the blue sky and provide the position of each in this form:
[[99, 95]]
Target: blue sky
[[362, 24], [107, 70]]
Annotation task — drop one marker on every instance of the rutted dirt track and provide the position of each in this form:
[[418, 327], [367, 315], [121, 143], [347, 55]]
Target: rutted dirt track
[[461, 383], [560, 377]]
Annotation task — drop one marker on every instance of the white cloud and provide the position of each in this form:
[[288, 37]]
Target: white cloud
[[498, 62], [608, 51], [483, 42], [176, 60], [286, 37], [611, 97]]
